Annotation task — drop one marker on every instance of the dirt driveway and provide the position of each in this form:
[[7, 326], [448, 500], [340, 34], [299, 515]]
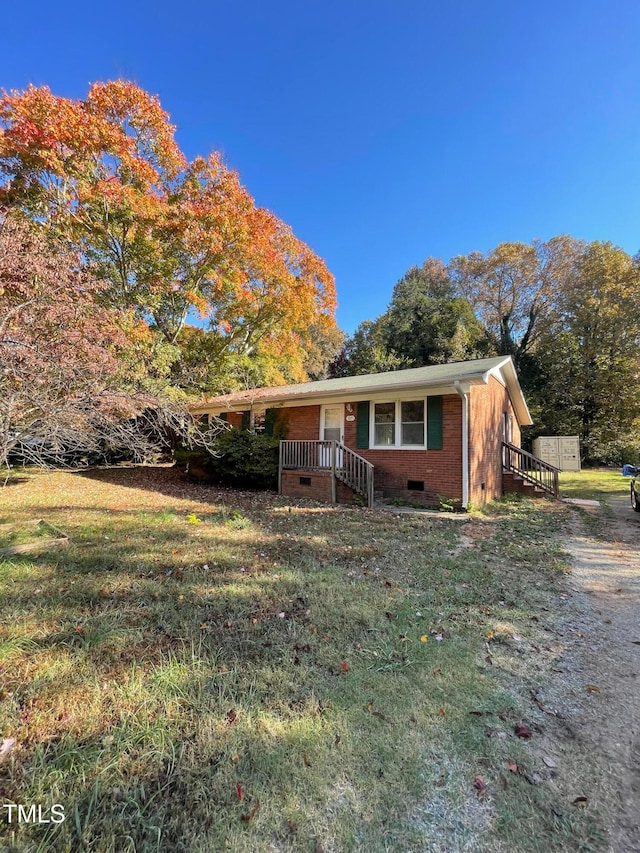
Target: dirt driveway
[[596, 691]]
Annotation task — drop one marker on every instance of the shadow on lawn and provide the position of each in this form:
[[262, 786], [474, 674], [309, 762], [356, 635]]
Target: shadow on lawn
[[171, 481]]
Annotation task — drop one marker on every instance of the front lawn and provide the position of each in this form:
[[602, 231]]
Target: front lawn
[[206, 670], [598, 484]]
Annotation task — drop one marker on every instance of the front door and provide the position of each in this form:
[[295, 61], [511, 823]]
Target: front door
[[331, 429]]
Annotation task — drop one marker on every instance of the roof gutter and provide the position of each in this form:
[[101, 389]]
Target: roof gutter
[[465, 442]]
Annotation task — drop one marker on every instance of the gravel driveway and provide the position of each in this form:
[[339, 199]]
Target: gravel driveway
[[597, 686]]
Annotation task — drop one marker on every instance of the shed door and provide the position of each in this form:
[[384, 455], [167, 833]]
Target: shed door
[[569, 454]]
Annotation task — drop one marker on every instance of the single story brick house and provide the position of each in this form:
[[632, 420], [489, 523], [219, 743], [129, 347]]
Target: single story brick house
[[418, 434]]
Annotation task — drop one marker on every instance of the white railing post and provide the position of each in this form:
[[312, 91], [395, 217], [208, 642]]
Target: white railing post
[[333, 473]]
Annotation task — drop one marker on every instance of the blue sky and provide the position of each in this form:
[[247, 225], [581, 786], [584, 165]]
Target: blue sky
[[382, 132]]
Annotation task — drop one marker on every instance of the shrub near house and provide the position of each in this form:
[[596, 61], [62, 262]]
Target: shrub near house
[[240, 458]]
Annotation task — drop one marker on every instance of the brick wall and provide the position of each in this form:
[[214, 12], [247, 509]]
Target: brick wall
[[486, 406], [319, 490], [440, 470], [302, 422]]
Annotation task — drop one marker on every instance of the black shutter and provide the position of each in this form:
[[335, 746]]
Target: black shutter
[[434, 423], [269, 421], [362, 426]]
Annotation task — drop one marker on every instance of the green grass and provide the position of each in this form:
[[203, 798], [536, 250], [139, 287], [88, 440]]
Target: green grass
[[206, 670], [32, 531], [599, 484]]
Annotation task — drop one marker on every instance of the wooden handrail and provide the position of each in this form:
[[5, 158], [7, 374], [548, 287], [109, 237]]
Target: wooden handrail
[[531, 468], [332, 456]]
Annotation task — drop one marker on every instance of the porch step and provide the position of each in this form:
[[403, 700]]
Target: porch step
[[512, 484]]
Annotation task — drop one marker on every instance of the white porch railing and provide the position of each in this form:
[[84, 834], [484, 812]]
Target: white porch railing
[[330, 456]]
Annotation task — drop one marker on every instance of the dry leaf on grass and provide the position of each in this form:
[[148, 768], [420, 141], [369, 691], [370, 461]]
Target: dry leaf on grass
[[480, 785], [8, 743], [255, 808]]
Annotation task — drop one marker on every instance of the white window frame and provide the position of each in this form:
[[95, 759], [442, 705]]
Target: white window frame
[[398, 424]]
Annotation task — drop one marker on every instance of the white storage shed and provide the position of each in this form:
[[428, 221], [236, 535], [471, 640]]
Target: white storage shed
[[563, 451]]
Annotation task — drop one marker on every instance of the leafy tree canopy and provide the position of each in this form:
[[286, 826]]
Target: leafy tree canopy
[[170, 238]]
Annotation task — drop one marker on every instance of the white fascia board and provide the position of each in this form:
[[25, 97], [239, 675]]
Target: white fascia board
[[406, 391], [505, 373]]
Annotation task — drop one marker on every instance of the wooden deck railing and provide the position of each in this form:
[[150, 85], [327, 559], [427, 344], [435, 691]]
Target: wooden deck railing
[[531, 468], [331, 456]]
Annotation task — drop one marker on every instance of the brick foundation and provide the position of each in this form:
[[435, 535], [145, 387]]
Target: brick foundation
[[318, 489]]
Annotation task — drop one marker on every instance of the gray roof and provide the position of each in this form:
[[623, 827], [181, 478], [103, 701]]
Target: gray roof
[[431, 376]]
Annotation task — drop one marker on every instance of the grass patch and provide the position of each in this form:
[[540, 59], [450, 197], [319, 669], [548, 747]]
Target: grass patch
[[205, 670], [598, 484], [30, 531]]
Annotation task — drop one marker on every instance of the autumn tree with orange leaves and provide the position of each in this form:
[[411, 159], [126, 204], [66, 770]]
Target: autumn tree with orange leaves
[[172, 239]]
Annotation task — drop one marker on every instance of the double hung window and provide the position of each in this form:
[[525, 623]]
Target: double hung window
[[400, 423]]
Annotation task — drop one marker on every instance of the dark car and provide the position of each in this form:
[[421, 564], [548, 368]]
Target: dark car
[[635, 491]]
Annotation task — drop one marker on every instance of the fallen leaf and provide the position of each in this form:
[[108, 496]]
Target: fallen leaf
[[239, 792], [442, 711], [252, 812], [580, 801], [549, 761], [424, 638], [479, 784], [513, 767], [523, 730], [592, 688], [305, 759], [344, 666], [8, 743], [232, 717]]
